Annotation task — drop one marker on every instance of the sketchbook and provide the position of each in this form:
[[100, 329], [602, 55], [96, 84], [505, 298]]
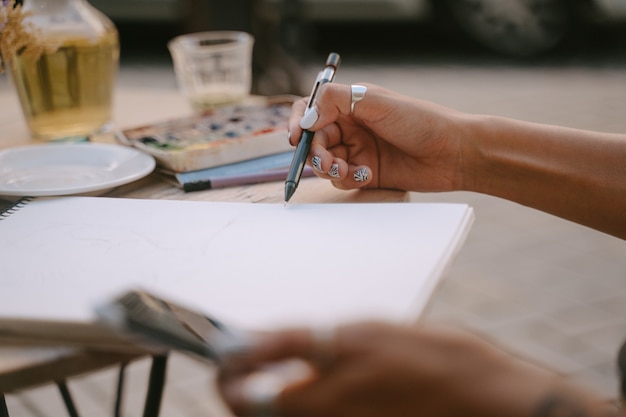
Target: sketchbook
[[252, 266]]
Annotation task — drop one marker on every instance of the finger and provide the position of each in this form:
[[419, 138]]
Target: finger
[[332, 101], [361, 175], [297, 111], [315, 345], [326, 165], [286, 344], [335, 170], [252, 394], [255, 392], [270, 391], [330, 163], [356, 177], [320, 157]]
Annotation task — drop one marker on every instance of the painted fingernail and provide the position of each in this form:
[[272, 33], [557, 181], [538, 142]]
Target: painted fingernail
[[316, 161], [309, 118], [361, 175], [334, 171]]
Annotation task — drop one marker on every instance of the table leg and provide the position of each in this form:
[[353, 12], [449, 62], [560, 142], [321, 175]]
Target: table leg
[[155, 386], [67, 399], [117, 410], [4, 411]]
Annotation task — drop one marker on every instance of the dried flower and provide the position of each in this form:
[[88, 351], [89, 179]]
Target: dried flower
[[18, 37]]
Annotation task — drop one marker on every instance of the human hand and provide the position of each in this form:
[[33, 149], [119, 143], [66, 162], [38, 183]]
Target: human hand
[[388, 141], [381, 370]]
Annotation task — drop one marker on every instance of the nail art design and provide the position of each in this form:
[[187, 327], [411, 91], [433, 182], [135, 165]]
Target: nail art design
[[316, 161], [361, 174], [309, 118], [334, 171]]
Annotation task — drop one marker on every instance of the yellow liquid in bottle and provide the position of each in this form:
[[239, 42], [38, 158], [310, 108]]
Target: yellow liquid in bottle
[[69, 92]]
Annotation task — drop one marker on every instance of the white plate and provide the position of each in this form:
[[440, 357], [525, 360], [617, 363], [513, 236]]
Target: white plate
[[63, 169]]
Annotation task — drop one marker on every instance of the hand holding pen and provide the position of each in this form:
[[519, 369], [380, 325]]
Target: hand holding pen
[[304, 146]]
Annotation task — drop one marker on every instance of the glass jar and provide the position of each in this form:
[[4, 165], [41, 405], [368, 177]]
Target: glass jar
[[67, 92]]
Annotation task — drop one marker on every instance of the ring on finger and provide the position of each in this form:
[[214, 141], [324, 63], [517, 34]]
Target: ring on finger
[[357, 93]]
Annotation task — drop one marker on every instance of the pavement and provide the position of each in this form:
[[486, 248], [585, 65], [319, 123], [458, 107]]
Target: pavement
[[542, 287]]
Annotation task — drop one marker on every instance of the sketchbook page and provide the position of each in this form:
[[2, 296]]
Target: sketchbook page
[[249, 265]]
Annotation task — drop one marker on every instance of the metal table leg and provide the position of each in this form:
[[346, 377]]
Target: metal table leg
[[4, 411], [155, 386], [67, 399], [117, 408]]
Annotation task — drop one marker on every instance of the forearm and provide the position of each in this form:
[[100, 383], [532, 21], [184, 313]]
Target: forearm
[[515, 387], [574, 174]]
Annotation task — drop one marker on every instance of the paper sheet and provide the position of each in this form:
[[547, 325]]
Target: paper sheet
[[250, 265]]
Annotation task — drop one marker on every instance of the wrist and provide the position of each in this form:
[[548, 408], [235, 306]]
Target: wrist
[[473, 133], [519, 388], [505, 157], [575, 401]]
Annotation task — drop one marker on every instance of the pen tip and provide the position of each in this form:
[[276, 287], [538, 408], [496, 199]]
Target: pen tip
[[290, 188]]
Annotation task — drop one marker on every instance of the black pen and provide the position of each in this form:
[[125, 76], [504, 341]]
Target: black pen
[[304, 146]]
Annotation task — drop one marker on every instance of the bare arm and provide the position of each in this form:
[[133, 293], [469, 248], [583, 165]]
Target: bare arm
[[574, 174], [382, 370], [415, 145]]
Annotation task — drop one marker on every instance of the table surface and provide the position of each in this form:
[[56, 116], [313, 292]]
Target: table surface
[[21, 367]]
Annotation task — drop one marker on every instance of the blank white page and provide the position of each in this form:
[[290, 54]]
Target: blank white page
[[250, 265]]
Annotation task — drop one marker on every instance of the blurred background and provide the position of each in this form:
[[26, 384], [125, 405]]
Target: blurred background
[[546, 288], [291, 33], [516, 29]]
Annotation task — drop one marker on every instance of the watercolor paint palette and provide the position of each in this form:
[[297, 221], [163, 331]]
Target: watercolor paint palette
[[222, 136]]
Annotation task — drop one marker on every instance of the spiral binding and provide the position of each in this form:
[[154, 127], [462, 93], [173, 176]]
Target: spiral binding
[[5, 213]]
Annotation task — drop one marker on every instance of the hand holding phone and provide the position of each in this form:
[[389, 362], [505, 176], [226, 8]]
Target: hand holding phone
[[159, 323]]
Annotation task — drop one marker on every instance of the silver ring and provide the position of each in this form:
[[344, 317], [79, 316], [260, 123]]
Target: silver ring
[[358, 92]]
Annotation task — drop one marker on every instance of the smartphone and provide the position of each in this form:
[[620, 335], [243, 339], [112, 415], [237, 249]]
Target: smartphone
[[159, 323]]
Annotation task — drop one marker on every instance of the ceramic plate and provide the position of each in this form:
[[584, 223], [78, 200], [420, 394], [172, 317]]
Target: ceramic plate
[[64, 169]]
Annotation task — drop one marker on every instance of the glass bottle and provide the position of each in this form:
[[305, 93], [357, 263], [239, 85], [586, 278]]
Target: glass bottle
[[67, 92]]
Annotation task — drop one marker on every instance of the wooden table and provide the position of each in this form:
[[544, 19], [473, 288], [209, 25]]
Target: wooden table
[[25, 367]]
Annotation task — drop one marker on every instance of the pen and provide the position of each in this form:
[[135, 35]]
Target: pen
[[274, 167], [239, 179], [304, 146]]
